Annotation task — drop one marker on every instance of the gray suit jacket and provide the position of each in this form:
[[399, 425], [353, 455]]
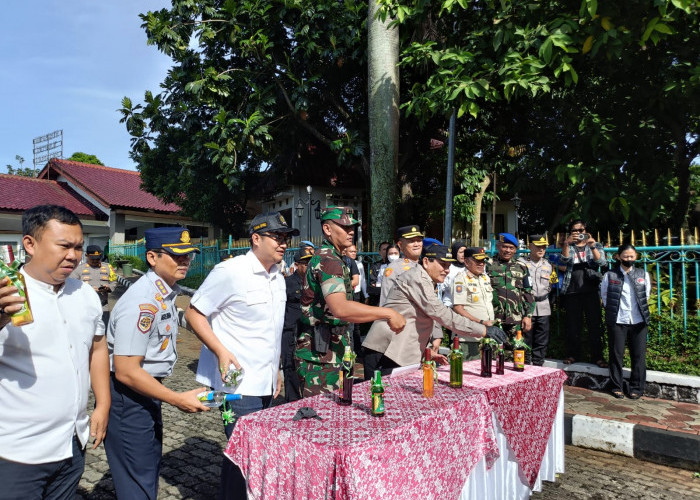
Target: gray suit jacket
[[413, 295]]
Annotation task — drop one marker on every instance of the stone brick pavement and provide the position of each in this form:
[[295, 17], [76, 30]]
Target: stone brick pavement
[[658, 413]]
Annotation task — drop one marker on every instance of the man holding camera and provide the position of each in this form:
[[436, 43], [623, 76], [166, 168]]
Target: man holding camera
[[581, 256]]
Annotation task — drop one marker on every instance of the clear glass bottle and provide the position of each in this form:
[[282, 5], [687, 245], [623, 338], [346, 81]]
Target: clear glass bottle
[[214, 399]]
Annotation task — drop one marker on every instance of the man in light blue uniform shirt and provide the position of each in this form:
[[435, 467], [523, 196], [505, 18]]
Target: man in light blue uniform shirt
[[141, 337]]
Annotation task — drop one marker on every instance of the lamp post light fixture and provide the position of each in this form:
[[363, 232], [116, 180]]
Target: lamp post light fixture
[[516, 203], [299, 208]]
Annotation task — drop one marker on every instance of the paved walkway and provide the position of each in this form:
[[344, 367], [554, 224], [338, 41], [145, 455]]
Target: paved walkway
[[657, 413]]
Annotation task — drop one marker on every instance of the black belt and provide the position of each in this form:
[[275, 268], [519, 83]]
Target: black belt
[[542, 297]]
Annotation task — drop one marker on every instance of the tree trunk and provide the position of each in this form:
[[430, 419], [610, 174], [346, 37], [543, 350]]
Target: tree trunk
[[476, 221], [383, 89]]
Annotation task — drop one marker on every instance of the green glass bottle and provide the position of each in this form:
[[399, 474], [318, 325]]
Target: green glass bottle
[[346, 378], [456, 364], [377, 392]]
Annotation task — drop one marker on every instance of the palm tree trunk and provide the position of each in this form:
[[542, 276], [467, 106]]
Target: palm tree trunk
[[383, 89]]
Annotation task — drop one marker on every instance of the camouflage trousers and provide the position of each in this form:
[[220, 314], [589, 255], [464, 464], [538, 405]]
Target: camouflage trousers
[[319, 372]]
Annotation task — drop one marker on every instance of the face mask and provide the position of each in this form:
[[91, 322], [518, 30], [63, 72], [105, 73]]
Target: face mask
[[626, 263], [392, 258]]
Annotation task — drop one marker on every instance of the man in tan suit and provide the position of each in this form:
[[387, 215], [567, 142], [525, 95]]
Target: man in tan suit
[[413, 296]]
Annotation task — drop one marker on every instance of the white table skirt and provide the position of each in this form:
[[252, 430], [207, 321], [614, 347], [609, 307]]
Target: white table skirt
[[503, 481]]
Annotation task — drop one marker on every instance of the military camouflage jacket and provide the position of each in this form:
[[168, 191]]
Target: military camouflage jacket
[[325, 275], [512, 298]]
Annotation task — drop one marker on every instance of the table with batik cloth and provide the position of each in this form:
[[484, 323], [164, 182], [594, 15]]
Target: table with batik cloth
[[489, 439]]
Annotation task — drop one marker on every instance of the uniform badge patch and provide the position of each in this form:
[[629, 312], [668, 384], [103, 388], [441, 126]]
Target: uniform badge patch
[[145, 321], [165, 343], [148, 307], [475, 298], [388, 271], [640, 281], [458, 289], [406, 268]]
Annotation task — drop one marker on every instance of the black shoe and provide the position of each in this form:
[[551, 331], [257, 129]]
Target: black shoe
[[618, 394], [635, 395]]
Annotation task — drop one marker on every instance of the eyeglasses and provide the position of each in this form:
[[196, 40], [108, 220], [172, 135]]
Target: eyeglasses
[[280, 238], [578, 229]]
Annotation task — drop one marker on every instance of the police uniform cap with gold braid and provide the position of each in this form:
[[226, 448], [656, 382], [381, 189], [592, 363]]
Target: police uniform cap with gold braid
[[93, 252], [409, 232], [174, 240], [539, 240], [439, 252], [476, 253]]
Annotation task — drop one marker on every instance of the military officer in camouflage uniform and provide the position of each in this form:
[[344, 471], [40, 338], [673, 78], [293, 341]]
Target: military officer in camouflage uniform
[[99, 275], [513, 302], [327, 307]]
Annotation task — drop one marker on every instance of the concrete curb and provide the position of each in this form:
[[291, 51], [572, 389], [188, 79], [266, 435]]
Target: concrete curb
[[676, 449], [661, 385]]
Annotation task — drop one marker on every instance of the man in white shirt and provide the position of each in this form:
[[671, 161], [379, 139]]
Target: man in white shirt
[[46, 366], [238, 314]]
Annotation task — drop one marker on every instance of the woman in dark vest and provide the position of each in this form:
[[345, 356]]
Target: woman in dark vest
[[625, 292]]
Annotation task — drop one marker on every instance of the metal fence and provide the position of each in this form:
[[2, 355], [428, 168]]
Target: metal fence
[[674, 270]]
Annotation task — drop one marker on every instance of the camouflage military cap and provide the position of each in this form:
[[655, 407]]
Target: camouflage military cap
[[340, 215]]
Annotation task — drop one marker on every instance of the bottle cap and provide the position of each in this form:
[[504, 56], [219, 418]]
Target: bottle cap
[[377, 376], [428, 354], [519, 335], [456, 343]]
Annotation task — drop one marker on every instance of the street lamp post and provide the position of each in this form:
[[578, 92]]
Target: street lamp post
[[516, 203], [311, 203]]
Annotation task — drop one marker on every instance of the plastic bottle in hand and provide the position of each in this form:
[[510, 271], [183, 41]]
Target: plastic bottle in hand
[[214, 399]]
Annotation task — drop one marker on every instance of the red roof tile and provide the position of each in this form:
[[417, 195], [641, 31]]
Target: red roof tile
[[22, 193], [114, 187]]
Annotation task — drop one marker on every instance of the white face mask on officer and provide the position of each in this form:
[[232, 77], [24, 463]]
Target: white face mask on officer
[[392, 258]]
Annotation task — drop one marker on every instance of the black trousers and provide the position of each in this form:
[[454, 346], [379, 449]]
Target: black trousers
[[577, 305], [636, 337], [292, 389], [377, 361], [538, 340]]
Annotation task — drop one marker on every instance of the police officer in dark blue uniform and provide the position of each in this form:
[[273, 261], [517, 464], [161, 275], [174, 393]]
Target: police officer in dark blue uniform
[[141, 338]]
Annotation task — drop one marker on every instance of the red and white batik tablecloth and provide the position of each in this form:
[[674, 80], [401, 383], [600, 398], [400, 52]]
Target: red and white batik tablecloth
[[422, 448], [524, 403]]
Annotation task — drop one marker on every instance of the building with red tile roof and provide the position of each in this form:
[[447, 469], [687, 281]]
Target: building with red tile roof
[[109, 201]]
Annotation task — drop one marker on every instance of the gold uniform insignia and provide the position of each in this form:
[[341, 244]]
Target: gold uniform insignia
[[165, 343], [145, 321], [388, 271], [185, 237]]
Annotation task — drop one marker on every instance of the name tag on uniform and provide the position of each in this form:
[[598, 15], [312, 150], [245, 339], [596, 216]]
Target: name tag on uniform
[[165, 316]]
